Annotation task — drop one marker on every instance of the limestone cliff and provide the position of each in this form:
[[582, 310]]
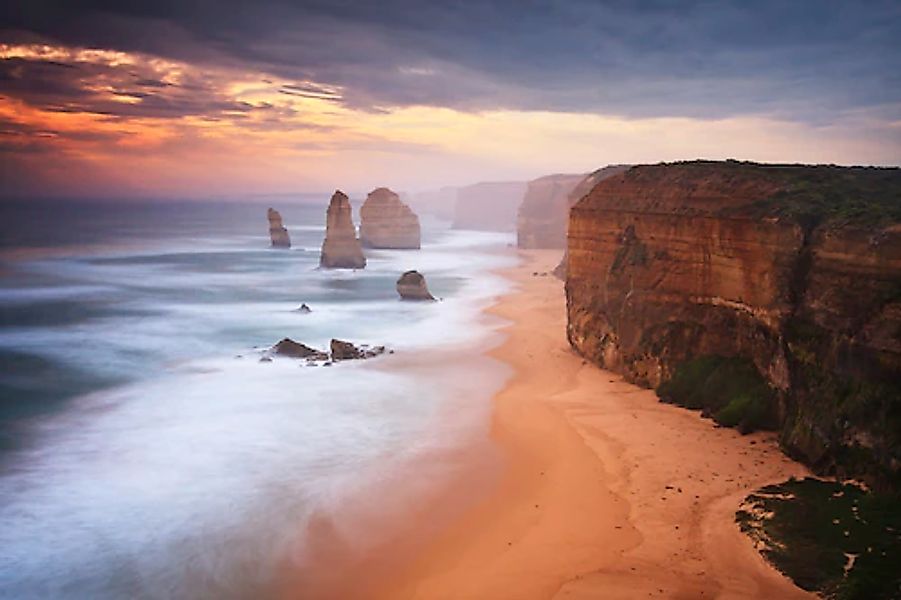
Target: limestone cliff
[[278, 234], [789, 273], [386, 222], [541, 218], [488, 206], [341, 249]]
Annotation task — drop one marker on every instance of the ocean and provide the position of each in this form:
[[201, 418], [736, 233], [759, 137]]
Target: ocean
[[147, 452]]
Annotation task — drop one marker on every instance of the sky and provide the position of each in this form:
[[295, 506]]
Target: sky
[[202, 99]]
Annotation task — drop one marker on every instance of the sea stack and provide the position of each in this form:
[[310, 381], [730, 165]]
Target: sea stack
[[411, 286], [341, 249], [278, 234], [386, 222]]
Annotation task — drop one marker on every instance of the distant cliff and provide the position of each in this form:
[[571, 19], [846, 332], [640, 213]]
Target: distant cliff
[[541, 218], [439, 203], [767, 295], [386, 222], [488, 206]]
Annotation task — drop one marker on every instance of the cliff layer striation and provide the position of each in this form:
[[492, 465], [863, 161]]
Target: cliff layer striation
[[706, 279]]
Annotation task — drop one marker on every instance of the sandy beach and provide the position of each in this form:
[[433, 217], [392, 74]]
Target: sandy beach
[[605, 492]]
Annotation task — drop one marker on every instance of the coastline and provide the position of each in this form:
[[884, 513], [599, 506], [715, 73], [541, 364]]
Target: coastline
[[604, 492]]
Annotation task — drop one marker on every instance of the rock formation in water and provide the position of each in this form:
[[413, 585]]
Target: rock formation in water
[[488, 206], [342, 350], [386, 222], [341, 249], [303, 309], [576, 194], [290, 348], [278, 234], [412, 286], [695, 276], [541, 219]]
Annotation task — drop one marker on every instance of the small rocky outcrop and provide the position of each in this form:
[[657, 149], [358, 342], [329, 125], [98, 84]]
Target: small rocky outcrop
[[291, 349], [304, 309], [278, 234], [341, 249], [412, 286], [386, 222], [342, 350]]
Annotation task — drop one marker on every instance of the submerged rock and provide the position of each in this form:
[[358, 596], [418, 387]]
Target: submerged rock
[[342, 350], [278, 234], [386, 222], [412, 286], [341, 249], [290, 348]]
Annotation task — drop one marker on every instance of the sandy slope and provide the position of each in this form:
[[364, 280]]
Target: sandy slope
[[607, 493]]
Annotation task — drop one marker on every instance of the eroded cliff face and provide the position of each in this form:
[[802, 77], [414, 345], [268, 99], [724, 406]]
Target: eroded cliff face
[[796, 269], [386, 222], [341, 249]]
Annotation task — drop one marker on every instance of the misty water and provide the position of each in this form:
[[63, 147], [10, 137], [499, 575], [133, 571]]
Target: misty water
[[146, 451]]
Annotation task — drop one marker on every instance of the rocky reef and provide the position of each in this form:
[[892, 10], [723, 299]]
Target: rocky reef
[[341, 249], [386, 222], [692, 276], [338, 350], [411, 286], [488, 206], [278, 234]]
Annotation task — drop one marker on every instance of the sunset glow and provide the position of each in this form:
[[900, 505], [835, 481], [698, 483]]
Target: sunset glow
[[93, 120]]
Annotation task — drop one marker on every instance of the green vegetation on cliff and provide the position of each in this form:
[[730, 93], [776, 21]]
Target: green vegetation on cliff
[[730, 389], [846, 406], [860, 196], [833, 538]]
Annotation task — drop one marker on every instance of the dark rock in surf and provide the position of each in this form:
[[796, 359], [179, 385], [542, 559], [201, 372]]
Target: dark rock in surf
[[291, 349], [412, 286], [342, 350]]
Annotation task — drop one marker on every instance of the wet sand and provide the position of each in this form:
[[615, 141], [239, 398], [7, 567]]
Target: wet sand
[[605, 491]]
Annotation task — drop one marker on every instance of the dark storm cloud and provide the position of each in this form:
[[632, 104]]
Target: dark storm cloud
[[106, 89], [804, 60]]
